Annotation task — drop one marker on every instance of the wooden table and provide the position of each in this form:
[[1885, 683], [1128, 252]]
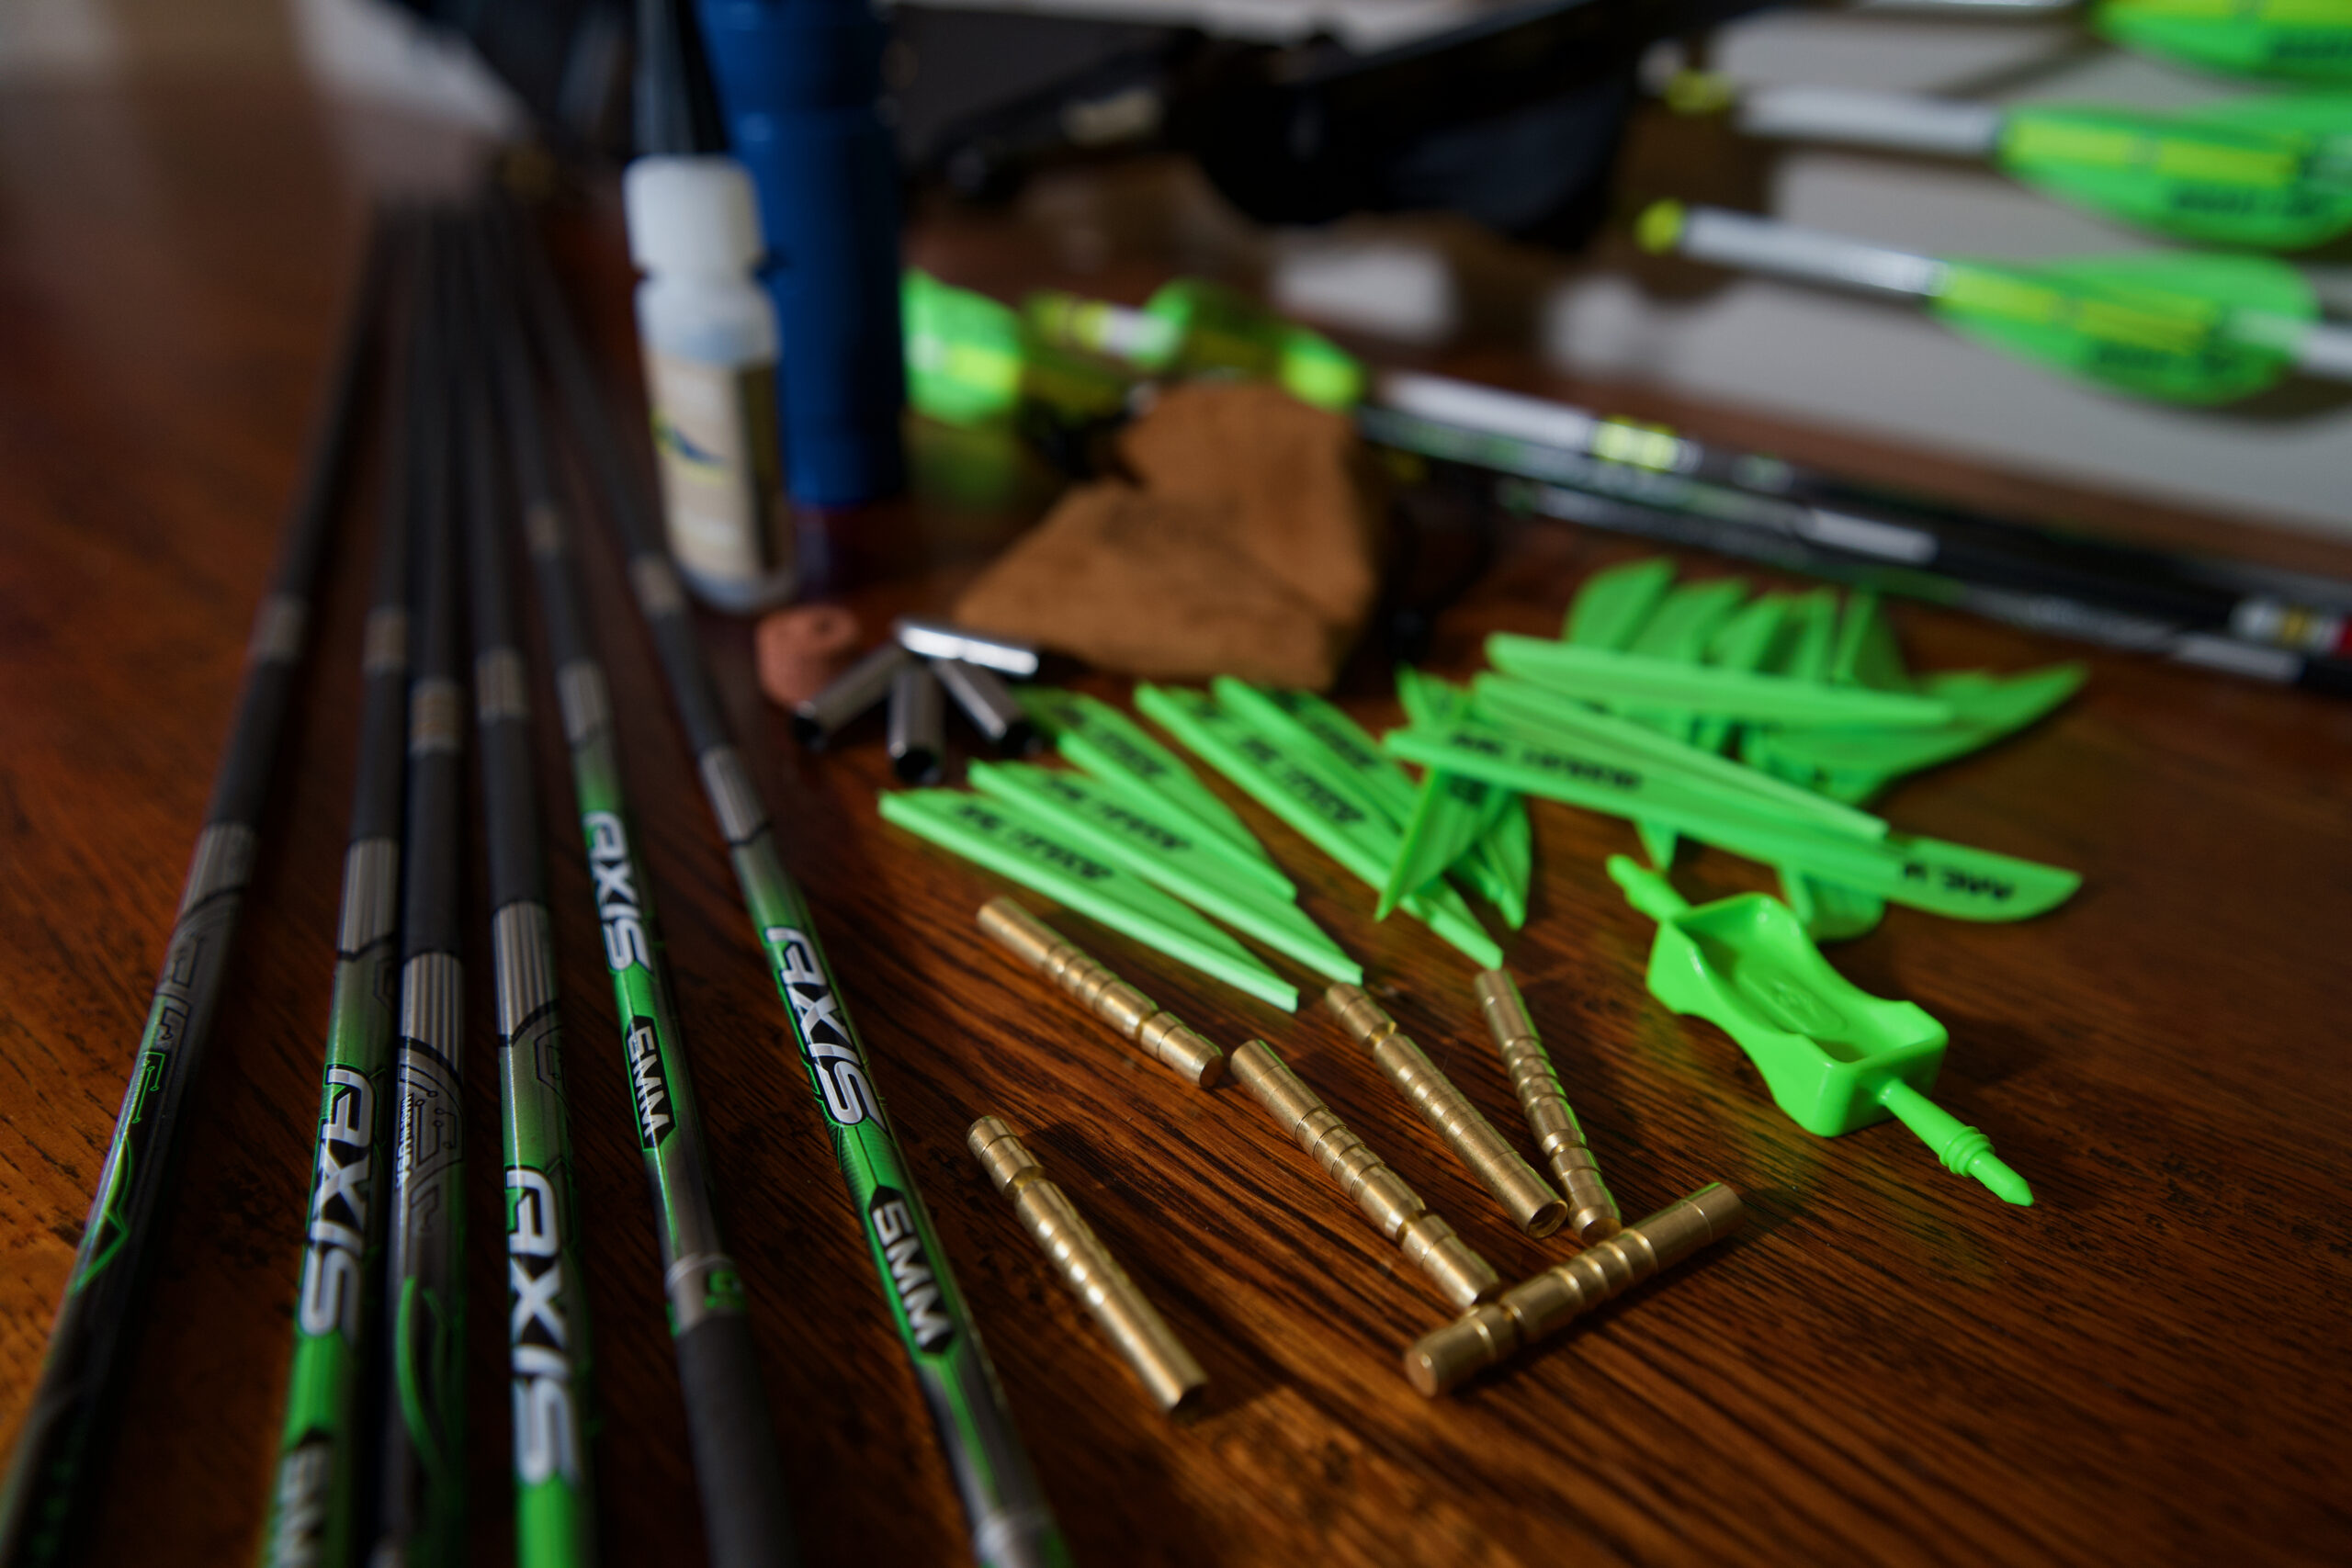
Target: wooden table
[[2147, 1366]]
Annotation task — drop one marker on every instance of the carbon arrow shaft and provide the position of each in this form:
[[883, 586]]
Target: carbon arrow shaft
[[60, 1450], [737, 1467], [1012, 1526]]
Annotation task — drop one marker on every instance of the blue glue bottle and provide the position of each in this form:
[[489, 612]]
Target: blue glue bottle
[[799, 84]]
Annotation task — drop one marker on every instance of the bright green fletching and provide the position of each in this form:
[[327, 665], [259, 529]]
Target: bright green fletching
[[1448, 815], [1687, 619], [1807, 650], [1464, 825], [1514, 705], [1325, 811], [1946, 879], [1093, 735], [1164, 848], [2232, 179], [1680, 631], [2158, 325], [1326, 737], [1595, 674], [1220, 329], [1037, 852], [1835, 1058], [1987, 708], [2308, 41], [1614, 606], [973, 361], [1510, 845]]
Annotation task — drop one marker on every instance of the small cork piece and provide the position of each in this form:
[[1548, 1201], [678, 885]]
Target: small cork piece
[[799, 650]]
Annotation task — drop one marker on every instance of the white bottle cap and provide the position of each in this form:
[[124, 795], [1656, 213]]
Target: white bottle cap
[[691, 214]]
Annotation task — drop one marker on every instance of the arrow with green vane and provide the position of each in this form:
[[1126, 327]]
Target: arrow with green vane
[[2271, 172], [2180, 327]]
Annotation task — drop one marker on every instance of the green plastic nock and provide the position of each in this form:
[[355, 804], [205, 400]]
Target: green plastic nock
[[1835, 1057]]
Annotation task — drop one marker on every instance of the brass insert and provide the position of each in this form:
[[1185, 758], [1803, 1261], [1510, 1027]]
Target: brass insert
[[1462, 1276], [1167, 1370], [1526, 1197], [1593, 1214], [1128, 1012], [1546, 1304]]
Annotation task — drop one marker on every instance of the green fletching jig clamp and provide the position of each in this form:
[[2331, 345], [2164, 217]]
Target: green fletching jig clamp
[[1835, 1057]]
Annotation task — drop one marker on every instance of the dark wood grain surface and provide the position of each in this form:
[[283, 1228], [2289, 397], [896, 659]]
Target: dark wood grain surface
[[2148, 1366]]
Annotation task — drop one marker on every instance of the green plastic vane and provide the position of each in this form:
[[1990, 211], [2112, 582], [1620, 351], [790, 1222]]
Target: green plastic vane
[[1680, 627], [1324, 809], [1093, 735], [2175, 326], [1603, 675], [972, 361], [2305, 40], [1459, 822], [1835, 1057], [1829, 911], [2266, 173], [1039, 853], [1334, 744], [1521, 709], [1925, 873], [1162, 847], [1193, 325], [1613, 605]]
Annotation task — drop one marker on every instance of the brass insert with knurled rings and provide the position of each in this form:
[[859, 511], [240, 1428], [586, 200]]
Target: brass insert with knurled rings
[[1462, 1276], [1593, 1214], [1131, 1015], [1143, 1337], [1546, 1304], [1526, 1197]]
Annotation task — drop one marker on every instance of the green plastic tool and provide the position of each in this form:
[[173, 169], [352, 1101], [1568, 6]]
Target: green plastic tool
[[1162, 847], [2309, 40], [1040, 854], [1191, 325], [972, 361], [1605, 675], [1323, 809], [1925, 873], [1093, 735], [2176, 326], [2272, 173], [1835, 1057]]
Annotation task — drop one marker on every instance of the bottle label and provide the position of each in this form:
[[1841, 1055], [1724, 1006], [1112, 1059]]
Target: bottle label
[[722, 489]]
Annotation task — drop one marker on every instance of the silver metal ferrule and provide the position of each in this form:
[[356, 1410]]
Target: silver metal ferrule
[[937, 639], [917, 725], [987, 702], [858, 688]]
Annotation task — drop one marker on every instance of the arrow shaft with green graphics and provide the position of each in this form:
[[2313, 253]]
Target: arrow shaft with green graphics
[[1011, 1524], [2178, 327]]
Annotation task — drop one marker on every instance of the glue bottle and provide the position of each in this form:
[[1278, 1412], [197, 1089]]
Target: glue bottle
[[708, 330]]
